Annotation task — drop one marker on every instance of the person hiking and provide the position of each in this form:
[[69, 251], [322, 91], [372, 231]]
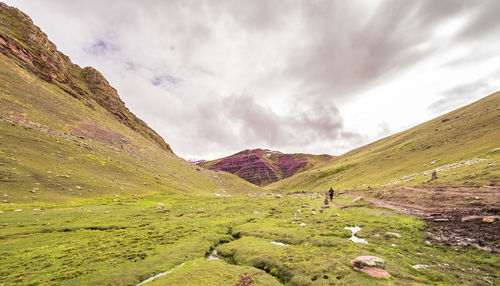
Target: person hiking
[[330, 192]]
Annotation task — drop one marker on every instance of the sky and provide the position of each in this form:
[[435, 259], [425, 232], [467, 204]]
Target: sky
[[217, 77]]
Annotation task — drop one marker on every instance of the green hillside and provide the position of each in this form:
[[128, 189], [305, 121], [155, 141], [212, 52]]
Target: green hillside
[[65, 133], [450, 142]]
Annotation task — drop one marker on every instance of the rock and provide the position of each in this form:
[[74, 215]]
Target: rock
[[394, 233], [256, 212], [1, 212], [375, 272], [441, 220], [368, 261], [495, 150], [296, 218], [299, 211], [78, 187], [32, 191], [313, 212], [357, 199], [313, 209], [278, 196], [434, 175], [471, 217], [490, 219], [472, 176], [326, 207], [19, 210], [304, 206], [420, 266], [302, 224]]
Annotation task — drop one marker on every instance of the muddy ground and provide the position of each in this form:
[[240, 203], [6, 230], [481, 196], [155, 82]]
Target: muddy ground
[[458, 217]]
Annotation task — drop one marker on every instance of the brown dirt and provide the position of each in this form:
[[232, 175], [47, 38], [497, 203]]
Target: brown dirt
[[455, 215], [245, 280]]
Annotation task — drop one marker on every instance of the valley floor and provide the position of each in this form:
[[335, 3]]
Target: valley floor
[[259, 240]]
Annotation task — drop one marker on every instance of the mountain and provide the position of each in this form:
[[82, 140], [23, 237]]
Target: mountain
[[262, 166], [66, 134], [462, 146]]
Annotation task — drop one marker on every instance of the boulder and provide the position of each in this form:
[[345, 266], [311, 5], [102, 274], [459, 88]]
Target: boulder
[[368, 261], [375, 272], [370, 265]]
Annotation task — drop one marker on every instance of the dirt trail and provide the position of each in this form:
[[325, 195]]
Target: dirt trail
[[464, 216]]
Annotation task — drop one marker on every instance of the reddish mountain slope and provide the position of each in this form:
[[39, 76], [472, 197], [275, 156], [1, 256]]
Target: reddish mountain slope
[[26, 45], [262, 167]]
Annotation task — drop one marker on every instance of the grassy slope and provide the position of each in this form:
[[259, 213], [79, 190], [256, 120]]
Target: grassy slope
[[124, 163], [471, 131]]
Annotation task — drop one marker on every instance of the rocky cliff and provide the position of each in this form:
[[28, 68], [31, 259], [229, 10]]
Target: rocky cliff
[[262, 166], [31, 49]]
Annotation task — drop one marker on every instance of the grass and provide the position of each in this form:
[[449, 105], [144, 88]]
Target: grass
[[101, 241]]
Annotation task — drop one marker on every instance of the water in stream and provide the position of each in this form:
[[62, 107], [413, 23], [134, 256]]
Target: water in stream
[[354, 238]]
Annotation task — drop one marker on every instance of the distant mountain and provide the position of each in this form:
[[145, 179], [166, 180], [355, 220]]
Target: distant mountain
[[262, 166]]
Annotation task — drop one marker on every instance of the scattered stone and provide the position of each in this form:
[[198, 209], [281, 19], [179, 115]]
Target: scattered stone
[[472, 176], [490, 219], [420, 266], [278, 196], [299, 211], [5, 224], [303, 224], [313, 212], [434, 175], [19, 210], [357, 199], [1, 212], [296, 218], [336, 214], [32, 191], [321, 211], [326, 207], [256, 212], [394, 233], [313, 209], [441, 220], [304, 206], [47, 223], [495, 150], [471, 217], [106, 212], [5, 201]]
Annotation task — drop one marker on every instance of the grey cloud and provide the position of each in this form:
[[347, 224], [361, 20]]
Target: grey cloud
[[199, 72], [459, 95]]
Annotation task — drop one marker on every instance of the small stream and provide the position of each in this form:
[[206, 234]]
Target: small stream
[[354, 238], [158, 275]]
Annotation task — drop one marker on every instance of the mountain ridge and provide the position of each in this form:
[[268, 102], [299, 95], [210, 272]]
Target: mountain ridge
[[23, 41], [263, 166]]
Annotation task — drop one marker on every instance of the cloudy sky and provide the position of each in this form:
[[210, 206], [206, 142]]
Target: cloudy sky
[[217, 77]]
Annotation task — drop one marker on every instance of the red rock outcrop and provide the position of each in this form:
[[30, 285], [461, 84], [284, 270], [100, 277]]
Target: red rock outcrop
[[262, 166]]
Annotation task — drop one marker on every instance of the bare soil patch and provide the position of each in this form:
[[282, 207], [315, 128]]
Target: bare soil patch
[[458, 217]]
